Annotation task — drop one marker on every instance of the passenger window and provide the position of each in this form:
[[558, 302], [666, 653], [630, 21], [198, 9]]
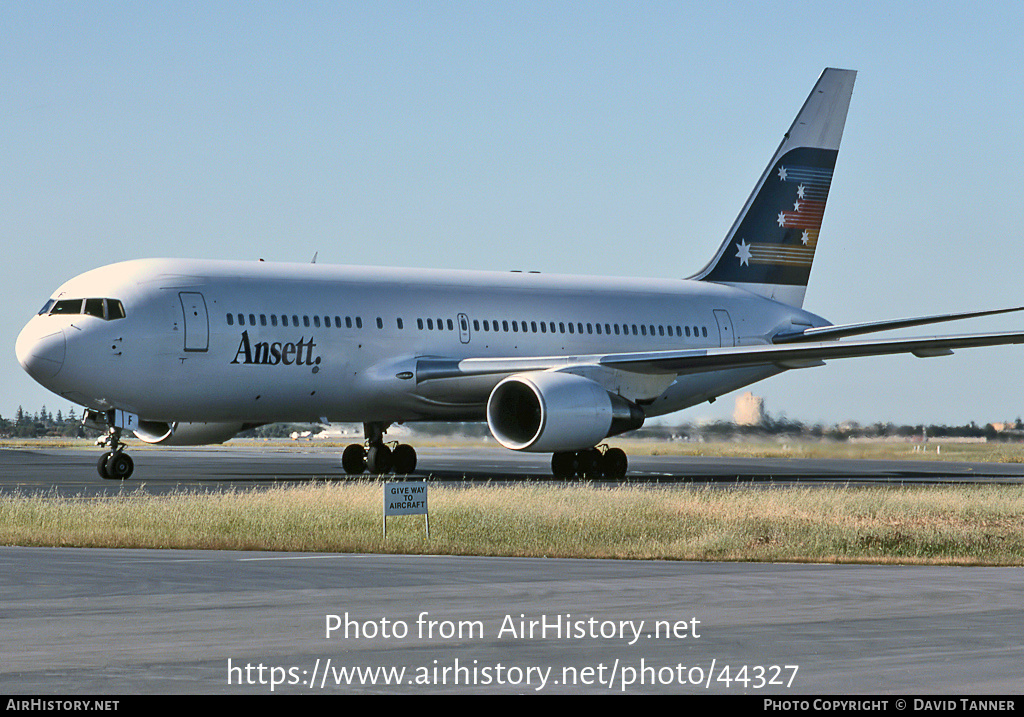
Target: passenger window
[[231, 320]]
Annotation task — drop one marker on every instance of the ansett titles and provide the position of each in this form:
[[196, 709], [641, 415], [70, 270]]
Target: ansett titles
[[263, 353]]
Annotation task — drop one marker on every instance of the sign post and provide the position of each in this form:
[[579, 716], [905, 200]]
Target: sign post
[[406, 498]]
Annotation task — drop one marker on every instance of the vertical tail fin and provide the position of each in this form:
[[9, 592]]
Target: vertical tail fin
[[770, 247]]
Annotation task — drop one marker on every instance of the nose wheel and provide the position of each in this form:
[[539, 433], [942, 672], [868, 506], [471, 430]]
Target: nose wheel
[[114, 464]]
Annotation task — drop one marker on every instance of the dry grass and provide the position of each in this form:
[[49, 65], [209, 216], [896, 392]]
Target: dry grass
[[940, 525]]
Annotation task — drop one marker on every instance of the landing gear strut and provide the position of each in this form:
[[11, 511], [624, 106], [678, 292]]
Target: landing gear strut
[[114, 464], [376, 457], [591, 463]]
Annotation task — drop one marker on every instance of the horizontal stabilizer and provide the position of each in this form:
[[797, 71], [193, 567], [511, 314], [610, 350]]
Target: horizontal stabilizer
[[825, 333]]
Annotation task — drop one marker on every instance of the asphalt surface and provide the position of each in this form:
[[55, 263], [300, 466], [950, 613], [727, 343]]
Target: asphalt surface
[[188, 622], [123, 622], [160, 470]]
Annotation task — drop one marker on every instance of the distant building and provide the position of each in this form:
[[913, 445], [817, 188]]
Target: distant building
[[749, 410]]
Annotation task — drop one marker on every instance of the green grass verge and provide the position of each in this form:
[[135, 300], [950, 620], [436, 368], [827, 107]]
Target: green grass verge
[[929, 525]]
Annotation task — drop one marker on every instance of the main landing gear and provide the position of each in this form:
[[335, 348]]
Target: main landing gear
[[114, 464], [375, 456], [592, 463]]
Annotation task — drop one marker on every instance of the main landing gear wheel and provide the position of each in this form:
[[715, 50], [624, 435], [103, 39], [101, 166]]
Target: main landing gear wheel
[[353, 459], [590, 463], [377, 458], [403, 459]]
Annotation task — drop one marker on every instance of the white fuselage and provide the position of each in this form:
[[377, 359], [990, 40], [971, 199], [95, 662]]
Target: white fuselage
[[255, 342]]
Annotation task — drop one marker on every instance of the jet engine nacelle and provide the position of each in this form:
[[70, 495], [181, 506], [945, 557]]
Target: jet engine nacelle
[[550, 411], [186, 434]]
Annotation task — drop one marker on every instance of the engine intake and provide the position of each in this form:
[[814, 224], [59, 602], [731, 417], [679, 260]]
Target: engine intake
[[549, 411]]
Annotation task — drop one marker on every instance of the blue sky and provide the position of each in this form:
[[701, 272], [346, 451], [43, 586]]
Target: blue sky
[[589, 138]]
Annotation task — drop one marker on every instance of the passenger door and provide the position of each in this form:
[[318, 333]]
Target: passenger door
[[197, 323]]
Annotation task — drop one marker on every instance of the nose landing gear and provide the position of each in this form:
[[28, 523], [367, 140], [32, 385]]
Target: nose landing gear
[[114, 464]]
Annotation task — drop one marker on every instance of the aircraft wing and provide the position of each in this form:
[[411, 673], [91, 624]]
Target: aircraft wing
[[687, 361], [799, 355]]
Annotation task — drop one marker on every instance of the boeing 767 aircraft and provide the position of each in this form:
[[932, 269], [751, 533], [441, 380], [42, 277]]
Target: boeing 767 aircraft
[[183, 352]]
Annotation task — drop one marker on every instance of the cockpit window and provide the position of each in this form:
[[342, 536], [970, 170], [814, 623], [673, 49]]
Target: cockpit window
[[67, 306], [106, 309], [94, 307]]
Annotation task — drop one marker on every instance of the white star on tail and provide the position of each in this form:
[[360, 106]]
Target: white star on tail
[[744, 252], [782, 173]]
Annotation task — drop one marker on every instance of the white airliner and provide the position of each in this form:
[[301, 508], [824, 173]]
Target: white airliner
[[183, 352]]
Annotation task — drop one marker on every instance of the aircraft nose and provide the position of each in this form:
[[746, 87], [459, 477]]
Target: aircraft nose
[[41, 350]]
